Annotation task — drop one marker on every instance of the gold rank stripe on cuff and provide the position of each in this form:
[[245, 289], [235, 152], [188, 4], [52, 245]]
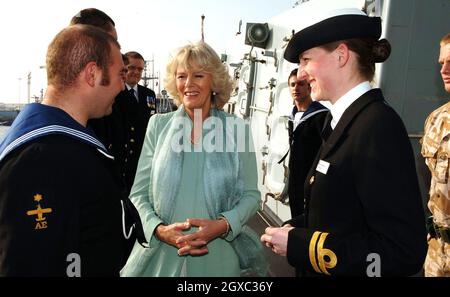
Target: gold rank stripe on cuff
[[312, 251], [319, 263]]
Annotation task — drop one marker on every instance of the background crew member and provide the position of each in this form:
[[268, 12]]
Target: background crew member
[[304, 127], [132, 109], [436, 150]]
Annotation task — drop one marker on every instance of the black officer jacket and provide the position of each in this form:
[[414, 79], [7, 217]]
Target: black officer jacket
[[123, 131], [367, 203], [133, 117]]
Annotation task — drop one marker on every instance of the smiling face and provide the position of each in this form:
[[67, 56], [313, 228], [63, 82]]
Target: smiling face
[[194, 88], [135, 67], [317, 67], [107, 92]]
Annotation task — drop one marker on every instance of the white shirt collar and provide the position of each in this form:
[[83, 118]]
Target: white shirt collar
[[341, 105], [135, 88], [297, 118], [129, 87]]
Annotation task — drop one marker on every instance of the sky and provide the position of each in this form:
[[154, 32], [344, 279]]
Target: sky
[[155, 28]]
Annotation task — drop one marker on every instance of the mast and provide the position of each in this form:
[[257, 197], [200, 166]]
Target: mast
[[150, 76], [202, 27]]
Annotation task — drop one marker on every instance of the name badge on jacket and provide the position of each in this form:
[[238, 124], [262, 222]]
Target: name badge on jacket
[[323, 166]]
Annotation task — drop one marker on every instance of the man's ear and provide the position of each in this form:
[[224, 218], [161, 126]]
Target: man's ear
[[90, 73], [342, 53]]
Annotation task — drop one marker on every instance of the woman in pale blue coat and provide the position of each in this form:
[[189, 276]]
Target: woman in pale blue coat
[[196, 181]]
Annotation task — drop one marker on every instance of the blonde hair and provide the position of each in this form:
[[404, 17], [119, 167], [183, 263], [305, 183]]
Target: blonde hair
[[445, 39], [200, 55]]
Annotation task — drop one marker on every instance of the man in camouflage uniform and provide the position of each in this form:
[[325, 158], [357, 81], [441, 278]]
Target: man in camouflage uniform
[[436, 150]]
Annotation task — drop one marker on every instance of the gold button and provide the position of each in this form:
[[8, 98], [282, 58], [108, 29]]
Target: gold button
[[311, 180], [126, 145], [132, 128], [131, 140], [126, 160], [131, 152]]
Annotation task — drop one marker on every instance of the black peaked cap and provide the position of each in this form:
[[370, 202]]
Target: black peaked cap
[[332, 29]]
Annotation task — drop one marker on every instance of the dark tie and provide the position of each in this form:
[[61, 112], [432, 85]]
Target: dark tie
[[132, 93], [326, 130]]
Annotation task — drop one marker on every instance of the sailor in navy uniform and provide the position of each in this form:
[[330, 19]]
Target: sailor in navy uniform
[[59, 196], [62, 212], [304, 129], [363, 213]]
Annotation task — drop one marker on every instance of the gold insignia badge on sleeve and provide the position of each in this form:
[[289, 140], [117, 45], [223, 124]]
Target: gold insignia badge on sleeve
[[317, 254], [39, 213]]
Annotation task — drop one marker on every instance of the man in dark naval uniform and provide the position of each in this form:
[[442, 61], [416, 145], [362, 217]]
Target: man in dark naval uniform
[[131, 111], [363, 213], [61, 210], [304, 127]]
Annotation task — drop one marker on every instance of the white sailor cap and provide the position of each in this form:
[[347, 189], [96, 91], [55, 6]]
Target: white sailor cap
[[334, 25]]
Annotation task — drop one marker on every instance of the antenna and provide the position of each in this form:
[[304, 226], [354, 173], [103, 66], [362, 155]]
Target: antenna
[[240, 25], [203, 35]]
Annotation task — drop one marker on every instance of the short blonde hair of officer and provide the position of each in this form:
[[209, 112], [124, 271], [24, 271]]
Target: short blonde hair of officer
[[206, 58]]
